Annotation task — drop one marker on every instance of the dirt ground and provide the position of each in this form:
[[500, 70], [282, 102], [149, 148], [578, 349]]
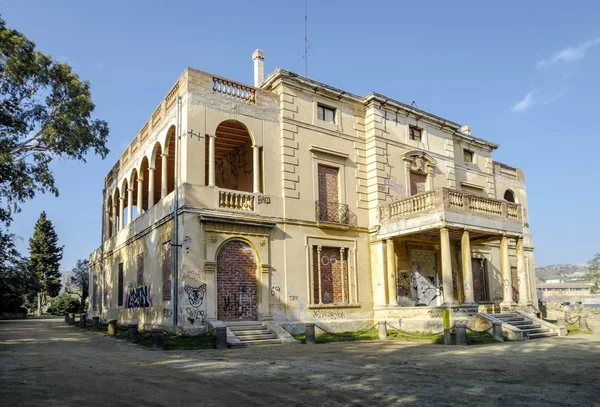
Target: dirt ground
[[46, 363]]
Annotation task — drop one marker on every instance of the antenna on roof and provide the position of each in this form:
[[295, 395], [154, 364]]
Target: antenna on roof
[[305, 56]]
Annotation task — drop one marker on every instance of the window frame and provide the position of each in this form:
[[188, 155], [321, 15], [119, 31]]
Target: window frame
[[472, 153], [324, 108], [411, 129]]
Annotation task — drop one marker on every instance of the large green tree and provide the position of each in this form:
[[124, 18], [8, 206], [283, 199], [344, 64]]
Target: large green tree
[[44, 260], [45, 113], [79, 282], [16, 281], [593, 273]]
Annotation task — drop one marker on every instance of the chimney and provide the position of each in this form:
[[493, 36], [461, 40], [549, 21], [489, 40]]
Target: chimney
[[259, 67], [466, 129]]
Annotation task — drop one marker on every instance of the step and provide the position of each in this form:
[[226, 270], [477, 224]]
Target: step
[[519, 323], [264, 342], [246, 328], [543, 335], [247, 338], [535, 331], [250, 332], [516, 321]]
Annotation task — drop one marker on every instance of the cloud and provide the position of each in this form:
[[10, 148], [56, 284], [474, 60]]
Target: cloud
[[555, 96], [569, 54], [523, 104]]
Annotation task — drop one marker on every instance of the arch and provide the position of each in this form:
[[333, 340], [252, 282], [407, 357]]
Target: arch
[[110, 216], [509, 196], [419, 171], [237, 281], [145, 176], [156, 163], [125, 193], [133, 182], [234, 158], [117, 214], [170, 149]]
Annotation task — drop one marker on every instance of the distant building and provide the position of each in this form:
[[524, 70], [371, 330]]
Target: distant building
[[571, 292]]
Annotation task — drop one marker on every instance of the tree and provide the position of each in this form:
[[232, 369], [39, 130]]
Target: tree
[[593, 272], [79, 281], [44, 259], [45, 112], [64, 303], [15, 279]]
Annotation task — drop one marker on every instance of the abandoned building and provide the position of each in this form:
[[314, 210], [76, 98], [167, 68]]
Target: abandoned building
[[292, 201]]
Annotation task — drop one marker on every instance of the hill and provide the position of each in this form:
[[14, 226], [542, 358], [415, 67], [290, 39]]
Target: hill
[[565, 272]]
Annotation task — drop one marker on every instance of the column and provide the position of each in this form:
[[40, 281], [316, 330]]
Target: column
[[391, 272], [163, 176], [256, 168], [121, 210], [319, 273], [265, 292], [342, 274], [446, 266], [140, 191], [211, 160], [129, 205], [524, 296], [150, 187], [115, 220], [467, 268], [507, 297]]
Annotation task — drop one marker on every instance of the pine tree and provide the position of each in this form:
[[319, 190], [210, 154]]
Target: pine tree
[[44, 259]]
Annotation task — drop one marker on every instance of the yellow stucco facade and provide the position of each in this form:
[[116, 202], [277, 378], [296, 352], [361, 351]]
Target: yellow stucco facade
[[298, 202]]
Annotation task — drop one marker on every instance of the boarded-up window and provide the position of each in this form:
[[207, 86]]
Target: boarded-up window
[[328, 205], [167, 270], [94, 293], [120, 285], [330, 275], [515, 283], [479, 280], [140, 269], [417, 183]]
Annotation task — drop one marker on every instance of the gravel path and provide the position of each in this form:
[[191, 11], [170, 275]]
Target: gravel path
[[45, 362]]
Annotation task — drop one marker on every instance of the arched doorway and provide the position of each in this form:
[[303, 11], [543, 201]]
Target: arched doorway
[[237, 288], [509, 196]]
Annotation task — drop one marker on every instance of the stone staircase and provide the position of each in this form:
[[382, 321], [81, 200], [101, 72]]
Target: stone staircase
[[253, 333], [530, 329]]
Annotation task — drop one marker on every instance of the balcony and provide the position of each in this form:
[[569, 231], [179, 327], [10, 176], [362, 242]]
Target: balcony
[[450, 208], [332, 212]]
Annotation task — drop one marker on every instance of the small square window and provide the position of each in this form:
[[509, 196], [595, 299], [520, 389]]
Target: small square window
[[415, 133], [468, 156], [326, 113]]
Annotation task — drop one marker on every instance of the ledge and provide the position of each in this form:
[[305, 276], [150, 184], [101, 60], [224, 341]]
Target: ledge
[[328, 306], [332, 225], [316, 149]]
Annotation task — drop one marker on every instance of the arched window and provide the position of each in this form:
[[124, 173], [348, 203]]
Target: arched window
[[156, 161], [234, 165], [110, 215], [170, 150], [509, 196]]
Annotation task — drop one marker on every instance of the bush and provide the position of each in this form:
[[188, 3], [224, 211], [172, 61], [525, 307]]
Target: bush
[[63, 303]]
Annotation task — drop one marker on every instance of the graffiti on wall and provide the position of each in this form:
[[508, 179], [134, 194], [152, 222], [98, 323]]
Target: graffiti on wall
[[167, 313], [235, 302], [195, 297], [328, 314], [138, 297], [198, 275]]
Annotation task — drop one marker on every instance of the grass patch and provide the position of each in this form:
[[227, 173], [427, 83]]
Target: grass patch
[[473, 338], [572, 329]]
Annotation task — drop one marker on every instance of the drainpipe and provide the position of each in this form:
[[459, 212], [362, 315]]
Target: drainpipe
[[175, 243]]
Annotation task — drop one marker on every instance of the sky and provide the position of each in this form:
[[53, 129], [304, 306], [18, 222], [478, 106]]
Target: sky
[[522, 74]]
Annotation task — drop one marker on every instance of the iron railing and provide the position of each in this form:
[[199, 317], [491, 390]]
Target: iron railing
[[333, 212]]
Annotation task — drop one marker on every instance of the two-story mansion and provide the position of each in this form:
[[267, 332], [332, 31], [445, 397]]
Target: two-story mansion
[[294, 201]]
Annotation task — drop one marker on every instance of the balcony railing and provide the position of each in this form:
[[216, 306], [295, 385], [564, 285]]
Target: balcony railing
[[236, 200], [448, 200], [332, 212]]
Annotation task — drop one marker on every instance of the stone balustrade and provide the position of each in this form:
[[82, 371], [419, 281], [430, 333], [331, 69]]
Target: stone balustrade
[[234, 90], [236, 200], [449, 200]]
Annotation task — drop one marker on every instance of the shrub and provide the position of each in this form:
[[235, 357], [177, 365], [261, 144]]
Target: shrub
[[63, 303]]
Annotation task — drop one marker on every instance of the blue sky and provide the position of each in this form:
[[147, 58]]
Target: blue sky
[[522, 75]]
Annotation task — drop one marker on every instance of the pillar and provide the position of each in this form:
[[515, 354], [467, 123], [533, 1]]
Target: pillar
[[163, 176], [129, 205], [150, 187], [256, 168], [391, 272], [115, 218], [319, 274], [121, 210], [507, 297], [140, 191], [211, 160], [221, 337], [467, 268], [446, 266], [158, 341], [524, 296], [310, 333]]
